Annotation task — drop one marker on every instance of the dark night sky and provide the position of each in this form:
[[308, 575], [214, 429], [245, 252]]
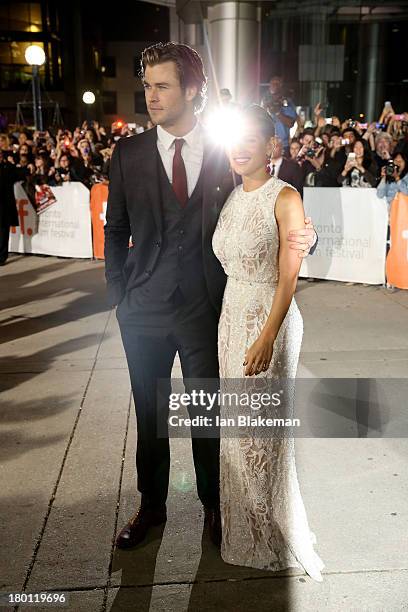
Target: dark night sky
[[138, 21]]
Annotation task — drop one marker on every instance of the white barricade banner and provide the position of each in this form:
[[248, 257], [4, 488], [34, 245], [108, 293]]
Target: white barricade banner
[[64, 229], [352, 227]]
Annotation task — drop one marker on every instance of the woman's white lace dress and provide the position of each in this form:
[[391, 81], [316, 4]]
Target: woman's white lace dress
[[264, 521]]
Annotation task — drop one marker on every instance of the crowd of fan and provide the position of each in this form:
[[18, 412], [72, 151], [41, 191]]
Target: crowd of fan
[[56, 157], [327, 153], [350, 153]]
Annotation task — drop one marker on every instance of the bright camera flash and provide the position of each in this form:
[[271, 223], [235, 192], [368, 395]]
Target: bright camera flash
[[225, 126]]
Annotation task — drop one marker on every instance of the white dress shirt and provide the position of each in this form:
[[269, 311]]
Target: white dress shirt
[[277, 163], [192, 153]]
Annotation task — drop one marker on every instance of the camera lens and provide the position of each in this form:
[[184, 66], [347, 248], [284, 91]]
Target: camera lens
[[390, 167]]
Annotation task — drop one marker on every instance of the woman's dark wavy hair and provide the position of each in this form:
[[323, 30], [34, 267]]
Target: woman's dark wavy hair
[[188, 63], [258, 115], [368, 156], [405, 158]]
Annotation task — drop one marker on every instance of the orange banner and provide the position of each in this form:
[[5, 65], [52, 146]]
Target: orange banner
[[99, 198], [397, 258]]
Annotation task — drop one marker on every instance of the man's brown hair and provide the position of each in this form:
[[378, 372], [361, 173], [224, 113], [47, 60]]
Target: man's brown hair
[[188, 63]]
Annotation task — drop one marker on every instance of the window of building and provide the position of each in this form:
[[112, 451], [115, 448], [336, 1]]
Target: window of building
[[140, 103], [20, 16], [15, 73], [109, 66], [109, 102], [14, 52]]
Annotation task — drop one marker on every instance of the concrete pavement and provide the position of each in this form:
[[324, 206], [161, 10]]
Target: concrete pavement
[[67, 460]]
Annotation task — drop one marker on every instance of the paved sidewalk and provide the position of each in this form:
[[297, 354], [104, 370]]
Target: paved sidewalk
[[67, 460]]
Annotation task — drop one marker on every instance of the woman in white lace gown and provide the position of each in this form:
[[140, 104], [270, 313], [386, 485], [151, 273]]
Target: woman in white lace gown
[[264, 522]]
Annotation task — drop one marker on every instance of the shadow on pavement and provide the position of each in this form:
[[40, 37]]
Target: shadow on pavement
[[130, 562], [87, 281], [216, 586]]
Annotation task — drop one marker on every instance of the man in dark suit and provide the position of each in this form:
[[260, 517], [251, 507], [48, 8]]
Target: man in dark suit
[[285, 169], [9, 175], [167, 188]]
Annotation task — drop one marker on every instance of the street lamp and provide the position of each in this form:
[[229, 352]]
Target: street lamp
[[35, 56], [88, 98]]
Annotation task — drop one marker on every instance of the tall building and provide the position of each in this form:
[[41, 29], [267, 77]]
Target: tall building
[[346, 54]]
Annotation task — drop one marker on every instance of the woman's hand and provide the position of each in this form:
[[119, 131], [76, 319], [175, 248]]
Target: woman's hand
[[106, 153], [350, 164], [302, 150], [369, 131], [395, 174], [335, 147], [318, 159], [317, 110], [258, 356]]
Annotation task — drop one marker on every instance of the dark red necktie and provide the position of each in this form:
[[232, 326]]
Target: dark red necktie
[[179, 173]]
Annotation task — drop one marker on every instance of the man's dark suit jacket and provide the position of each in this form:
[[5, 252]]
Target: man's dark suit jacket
[[9, 175], [135, 209], [291, 173]]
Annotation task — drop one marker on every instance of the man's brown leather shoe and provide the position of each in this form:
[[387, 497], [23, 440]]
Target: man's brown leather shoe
[[212, 518], [137, 527]]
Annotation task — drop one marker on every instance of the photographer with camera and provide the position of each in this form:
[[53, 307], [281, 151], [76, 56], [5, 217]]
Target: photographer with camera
[[349, 136], [360, 169], [64, 171], [334, 159], [281, 109], [310, 157], [394, 178], [383, 148]]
